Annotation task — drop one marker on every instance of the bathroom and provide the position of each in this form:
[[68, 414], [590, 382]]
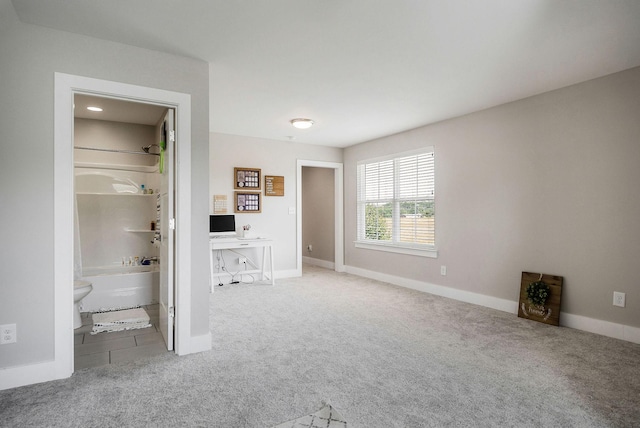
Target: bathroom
[[117, 166]]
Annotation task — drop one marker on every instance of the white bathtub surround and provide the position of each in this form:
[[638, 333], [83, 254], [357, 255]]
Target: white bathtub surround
[[114, 219], [121, 287]]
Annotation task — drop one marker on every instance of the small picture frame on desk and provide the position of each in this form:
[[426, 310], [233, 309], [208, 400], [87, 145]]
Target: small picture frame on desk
[[248, 202], [247, 178]]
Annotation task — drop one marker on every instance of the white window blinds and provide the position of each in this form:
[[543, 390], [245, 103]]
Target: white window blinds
[[396, 200]]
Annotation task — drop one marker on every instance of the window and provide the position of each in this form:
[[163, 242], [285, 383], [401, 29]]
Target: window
[[396, 203]]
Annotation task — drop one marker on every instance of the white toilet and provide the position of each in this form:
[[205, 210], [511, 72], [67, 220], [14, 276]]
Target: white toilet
[[80, 291]]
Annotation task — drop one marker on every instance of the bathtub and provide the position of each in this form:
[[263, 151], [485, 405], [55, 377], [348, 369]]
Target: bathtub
[[120, 287]]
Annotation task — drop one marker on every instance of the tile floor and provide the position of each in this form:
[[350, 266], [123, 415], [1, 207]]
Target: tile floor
[[109, 348]]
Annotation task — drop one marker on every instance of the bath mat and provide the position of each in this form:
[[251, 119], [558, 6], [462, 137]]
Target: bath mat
[[327, 417], [120, 320]]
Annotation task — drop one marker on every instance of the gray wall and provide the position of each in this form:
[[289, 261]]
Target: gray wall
[[273, 158], [30, 57], [546, 184], [318, 213]]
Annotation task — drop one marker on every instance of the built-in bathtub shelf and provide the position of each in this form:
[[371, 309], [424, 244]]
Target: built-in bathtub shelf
[[133, 168], [115, 194], [139, 230]]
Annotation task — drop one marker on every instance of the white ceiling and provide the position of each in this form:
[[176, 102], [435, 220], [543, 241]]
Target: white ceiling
[[117, 110], [363, 69]]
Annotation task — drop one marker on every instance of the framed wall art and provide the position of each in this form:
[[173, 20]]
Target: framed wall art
[[248, 202], [273, 185], [246, 178], [540, 296]]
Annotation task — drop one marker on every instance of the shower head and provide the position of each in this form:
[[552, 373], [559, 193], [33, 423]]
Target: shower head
[[147, 148]]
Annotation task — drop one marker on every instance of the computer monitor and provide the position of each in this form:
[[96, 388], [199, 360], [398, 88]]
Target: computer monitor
[[221, 225]]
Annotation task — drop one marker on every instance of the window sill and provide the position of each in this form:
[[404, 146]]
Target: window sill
[[392, 248]]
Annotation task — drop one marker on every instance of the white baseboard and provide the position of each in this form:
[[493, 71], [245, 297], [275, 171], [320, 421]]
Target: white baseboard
[[13, 377], [591, 325], [318, 262], [604, 328], [200, 343], [291, 273], [439, 290]]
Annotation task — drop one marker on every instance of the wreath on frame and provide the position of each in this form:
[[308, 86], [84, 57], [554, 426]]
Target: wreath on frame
[[538, 293]]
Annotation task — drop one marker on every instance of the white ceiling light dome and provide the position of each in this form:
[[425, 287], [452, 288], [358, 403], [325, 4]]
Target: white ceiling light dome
[[302, 123]]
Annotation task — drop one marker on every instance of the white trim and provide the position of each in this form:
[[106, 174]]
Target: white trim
[[578, 322], [318, 262], [604, 328], [66, 86], [200, 343], [339, 211], [62, 234], [13, 377], [290, 273], [439, 290], [393, 248], [182, 331]]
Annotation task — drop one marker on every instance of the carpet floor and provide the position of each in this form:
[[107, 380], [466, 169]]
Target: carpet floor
[[383, 356]]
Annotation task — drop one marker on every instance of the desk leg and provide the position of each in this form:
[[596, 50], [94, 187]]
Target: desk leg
[[211, 284], [273, 278]]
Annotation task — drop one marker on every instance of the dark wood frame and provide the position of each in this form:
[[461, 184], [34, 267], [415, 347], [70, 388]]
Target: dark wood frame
[[550, 312]]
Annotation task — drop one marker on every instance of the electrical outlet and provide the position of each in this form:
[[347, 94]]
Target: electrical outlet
[[310, 247], [242, 260], [443, 270], [8, 334], [619, 299]]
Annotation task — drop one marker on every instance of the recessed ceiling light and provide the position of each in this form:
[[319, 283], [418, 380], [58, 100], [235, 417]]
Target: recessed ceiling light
[[301, 123], [94, 108]]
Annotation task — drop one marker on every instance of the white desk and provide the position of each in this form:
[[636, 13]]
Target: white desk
[[216, 244]]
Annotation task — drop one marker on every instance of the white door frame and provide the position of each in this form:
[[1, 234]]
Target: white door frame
[[339, 211], [66, 86]]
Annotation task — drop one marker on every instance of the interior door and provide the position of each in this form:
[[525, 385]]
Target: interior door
[[167, 230]]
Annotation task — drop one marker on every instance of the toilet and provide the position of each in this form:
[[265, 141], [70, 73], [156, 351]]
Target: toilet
[[80, 291]]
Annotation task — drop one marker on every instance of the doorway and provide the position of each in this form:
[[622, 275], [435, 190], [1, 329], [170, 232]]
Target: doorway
[[123, 187], [338, 204], [66, 86]]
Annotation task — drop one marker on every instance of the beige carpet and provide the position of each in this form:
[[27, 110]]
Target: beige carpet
[[386, 356], [326, 417]]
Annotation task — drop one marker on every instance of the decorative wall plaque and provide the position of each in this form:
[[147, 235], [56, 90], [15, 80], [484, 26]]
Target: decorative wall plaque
[[540, 296], [273, 185], [246, 178]]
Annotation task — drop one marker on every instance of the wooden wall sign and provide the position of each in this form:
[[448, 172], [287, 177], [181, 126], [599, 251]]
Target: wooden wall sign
[[248, 202], [273, 185], [549, 312], [246, 178]]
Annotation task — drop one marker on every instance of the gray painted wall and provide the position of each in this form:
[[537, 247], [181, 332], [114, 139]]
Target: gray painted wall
[[273, 158], [546, 184], [30, 57], [318, 213]]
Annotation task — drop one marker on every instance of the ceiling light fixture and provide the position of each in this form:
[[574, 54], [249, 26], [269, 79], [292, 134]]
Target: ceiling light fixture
[[94, 108], [302, 123]]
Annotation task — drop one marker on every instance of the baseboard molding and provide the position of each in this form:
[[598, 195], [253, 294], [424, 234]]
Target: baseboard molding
[[578, 322], [200, 343], [291, 273], [604, 328], [439, 290], [13, 377], [318, 262]]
